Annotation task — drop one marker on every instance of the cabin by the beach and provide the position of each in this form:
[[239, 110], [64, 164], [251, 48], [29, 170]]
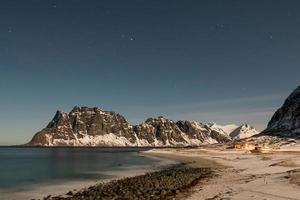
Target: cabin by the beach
[[243, 145]]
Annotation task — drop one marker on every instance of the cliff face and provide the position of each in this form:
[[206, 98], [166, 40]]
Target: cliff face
[[286, 120], [85, 126]]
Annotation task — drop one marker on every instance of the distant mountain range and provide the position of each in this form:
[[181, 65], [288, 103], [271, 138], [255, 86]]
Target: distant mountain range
[[85, 126]]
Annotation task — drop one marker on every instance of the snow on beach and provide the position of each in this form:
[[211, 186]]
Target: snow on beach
[[243, 175]]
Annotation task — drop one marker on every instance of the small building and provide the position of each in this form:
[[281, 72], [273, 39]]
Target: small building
[[261, 149], [243, 146]]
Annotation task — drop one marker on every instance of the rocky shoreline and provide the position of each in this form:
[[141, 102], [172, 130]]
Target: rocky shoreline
[[165, 184]]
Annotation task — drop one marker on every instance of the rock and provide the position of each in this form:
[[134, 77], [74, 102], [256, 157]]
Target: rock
[[170, 182], [70, 193], [48, 197]]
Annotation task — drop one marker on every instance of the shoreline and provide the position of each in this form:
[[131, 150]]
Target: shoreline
[[185, 174], [228, 174], [54, 188], [166, 184], [191, 160]]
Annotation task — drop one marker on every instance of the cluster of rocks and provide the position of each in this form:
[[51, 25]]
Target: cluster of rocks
[[165, 184]]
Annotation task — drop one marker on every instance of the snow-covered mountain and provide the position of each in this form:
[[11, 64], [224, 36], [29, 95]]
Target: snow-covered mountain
[[85, 126], [235, 132], [226, 129], [243, 131], [286, 120]]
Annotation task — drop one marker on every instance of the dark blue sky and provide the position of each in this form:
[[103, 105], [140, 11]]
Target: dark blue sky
[[223, 61]]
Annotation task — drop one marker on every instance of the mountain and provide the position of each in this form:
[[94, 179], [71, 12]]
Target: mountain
[[225, 129], [286, 120], [243, 131], [235, 132], [85, 126]]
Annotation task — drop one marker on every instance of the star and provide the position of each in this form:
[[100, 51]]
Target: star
[[217, 27], [220, 25], [270, 36]]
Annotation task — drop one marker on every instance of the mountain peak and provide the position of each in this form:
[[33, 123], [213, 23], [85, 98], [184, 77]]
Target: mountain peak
[[157, 119], [286, 120], [84, 109], [226, 128], [243, 131]]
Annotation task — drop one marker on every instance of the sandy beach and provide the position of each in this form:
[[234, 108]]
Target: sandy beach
[[236, 175], [241, 175]]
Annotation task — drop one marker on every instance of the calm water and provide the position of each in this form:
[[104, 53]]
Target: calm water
[[23, 167]]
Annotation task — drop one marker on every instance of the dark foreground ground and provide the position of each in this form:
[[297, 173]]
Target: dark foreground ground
[[166, 184]]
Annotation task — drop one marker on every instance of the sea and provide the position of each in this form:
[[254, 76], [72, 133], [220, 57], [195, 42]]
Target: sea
[[27, 173]]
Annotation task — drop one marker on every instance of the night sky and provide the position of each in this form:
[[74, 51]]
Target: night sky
[[222, 61]]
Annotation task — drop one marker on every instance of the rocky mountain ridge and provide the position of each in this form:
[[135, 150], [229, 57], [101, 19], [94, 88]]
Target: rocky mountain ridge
[[286, 120], [85, 126]]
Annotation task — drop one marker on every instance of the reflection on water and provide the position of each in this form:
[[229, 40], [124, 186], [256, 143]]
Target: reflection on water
[[20, 167]]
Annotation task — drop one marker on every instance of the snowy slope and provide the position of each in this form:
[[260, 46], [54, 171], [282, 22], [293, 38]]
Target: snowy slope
[[226, 129], [234, 131], [244, 131]]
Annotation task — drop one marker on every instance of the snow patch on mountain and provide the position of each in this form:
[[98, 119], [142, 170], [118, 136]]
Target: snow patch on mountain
[[235, 132]]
